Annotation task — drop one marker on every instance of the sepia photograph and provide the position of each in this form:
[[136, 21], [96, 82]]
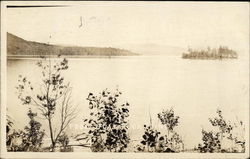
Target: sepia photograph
[[124, 79]]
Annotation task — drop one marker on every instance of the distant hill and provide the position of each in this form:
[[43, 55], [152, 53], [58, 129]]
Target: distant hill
[[154, 49], [19, 47]]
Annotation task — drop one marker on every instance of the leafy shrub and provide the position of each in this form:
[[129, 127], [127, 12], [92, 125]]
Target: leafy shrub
[[168, 119], [9, 126], [108, 122], [28, 140], [14, 141], [64, 143], [213, 142], [153, 142], [221, 123], [33, 135], [150, 139], [173, 139]]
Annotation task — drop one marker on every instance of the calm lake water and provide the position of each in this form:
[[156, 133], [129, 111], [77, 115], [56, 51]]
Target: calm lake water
[[194, 88]]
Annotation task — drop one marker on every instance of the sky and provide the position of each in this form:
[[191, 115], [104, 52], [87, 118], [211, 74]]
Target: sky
[[110, 24]]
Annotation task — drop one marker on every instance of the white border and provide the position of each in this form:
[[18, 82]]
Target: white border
[[5, 154]]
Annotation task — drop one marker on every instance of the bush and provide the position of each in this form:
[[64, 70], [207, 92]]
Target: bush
[[173, 139], [64, 143], [213, 141], [28, 140], [153, 142], [108, 122], [150, 139], [14, 141]]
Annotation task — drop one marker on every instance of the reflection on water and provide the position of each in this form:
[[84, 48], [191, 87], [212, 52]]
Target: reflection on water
[[194, 88]]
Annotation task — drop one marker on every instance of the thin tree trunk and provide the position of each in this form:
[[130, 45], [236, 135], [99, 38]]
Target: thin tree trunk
[[49, 111], [51, 135]]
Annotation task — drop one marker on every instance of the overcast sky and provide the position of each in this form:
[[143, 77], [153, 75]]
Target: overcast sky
[[118, 23]]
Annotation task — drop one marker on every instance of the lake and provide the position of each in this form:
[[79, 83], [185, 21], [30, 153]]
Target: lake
[[193, 88]]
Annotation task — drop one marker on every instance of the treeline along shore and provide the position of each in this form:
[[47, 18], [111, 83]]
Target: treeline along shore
[[222, 52], [20, 48]]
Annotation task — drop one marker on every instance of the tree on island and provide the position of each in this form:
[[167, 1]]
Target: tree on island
[[222, 52]]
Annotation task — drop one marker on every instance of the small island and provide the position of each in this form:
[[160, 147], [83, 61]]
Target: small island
[[222, 52]]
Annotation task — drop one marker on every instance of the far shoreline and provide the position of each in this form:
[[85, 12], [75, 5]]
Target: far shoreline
[[66, 56]]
